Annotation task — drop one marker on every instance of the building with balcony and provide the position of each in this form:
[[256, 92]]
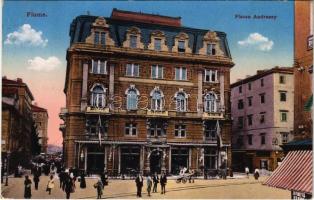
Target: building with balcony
[[145, 93], [40, 117], [263, 113], [16, 123]]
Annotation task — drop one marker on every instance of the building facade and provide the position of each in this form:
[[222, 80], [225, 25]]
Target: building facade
[[262, 111], [40, 117], [145, 93], [16, 122], [303, 68]]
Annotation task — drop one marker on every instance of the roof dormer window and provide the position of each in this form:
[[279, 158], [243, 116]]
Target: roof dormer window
[[181, 46]]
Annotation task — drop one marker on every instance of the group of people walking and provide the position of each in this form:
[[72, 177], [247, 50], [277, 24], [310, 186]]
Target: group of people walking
[[151, 181]]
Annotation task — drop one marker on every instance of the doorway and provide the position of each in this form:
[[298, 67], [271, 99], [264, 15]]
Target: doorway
[[155, 161]]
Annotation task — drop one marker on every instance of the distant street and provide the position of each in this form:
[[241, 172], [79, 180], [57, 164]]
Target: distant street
[[241, 188]]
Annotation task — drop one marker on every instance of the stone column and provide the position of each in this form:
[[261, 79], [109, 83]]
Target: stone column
[[111, 80], [200, 92], [147, 161], [142, 158], [84, 87], [163, 161], [85, 161], [222, 89]]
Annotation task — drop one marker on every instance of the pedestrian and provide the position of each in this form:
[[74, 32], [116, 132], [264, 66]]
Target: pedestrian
[[27, 188], [36, 180], [156, 181], [99, 187], [83, 182], [139, 184], [149, 184], [51, 184], [163, 182], [68, 187], [103, 178], [247, 171], [191, 178], [61, 178], [256, 174]]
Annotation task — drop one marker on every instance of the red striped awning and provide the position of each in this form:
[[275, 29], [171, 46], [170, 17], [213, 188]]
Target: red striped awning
[[294, 173]]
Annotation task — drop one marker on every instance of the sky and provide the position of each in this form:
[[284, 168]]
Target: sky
[[34, 48]]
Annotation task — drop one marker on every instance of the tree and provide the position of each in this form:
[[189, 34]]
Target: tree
[[36, 147]]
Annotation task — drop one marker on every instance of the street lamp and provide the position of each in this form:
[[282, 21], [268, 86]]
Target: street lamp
[[8, 161]]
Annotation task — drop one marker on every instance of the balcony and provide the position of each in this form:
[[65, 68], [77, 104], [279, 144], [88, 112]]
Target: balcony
[[91, 109], [63, 112], [213, 115], [157, 113], [210, 139], [156, 139]]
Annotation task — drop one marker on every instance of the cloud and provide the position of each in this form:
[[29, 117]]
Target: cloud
[[40, 64], [258, 41], [26, 35]]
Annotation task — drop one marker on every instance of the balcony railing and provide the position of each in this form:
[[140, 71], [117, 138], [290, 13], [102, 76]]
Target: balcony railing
[[157, 139], [157, 113], [212, 115], [91, 109]]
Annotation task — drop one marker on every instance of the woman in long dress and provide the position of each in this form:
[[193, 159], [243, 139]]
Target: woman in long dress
[[27, 188]]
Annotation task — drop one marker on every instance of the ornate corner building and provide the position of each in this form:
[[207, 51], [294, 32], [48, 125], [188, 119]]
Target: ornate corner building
[[145, 93]]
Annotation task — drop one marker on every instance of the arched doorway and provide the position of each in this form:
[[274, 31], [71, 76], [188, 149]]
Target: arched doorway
[[155, 161]]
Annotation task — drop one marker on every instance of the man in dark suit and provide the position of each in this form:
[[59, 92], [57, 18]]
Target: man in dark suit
[[139, 184], [163, 182], [156, 181]]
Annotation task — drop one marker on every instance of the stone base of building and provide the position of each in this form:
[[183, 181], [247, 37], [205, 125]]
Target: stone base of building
[[129, 158], [256, 159]]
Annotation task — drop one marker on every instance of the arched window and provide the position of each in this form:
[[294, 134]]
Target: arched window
[[181, 101], [157, 99], [98, 96], [132, 98], [210, 102]]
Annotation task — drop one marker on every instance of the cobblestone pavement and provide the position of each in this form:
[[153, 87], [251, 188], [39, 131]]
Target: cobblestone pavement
[[240, 188]]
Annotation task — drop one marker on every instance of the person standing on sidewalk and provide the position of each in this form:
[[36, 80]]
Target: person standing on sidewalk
[[156, 181], [247, 171], [256, 174], [149, 184], [139, 184], [27, 188], [163, 182], [68, 186], [36, 180], [51, 184], [99, 187]]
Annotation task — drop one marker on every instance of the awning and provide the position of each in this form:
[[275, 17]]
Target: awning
[[308, 104], [294, 173]]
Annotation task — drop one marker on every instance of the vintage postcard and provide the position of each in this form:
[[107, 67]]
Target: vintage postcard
[[157, 99]]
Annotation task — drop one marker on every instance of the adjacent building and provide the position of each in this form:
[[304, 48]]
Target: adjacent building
[[145, 93], [16, 122], [263, 113], [40, 117]]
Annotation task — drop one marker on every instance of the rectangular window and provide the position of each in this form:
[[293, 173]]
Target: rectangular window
[[262, 82], [156, 129], [283, 116], [99, 67], [103, 38], [211, 49], [282, 79], [181, 46], [250, 139], [240, 104], [180, 73], [210, 131], [240, 122], [179, 131], [132, 70], [211, 76], [262, 96], [130, 129], [250, 86], [240, 89], [157, 71], [262, 118], [284, 137], [263, 138], [133, 41], [283, 95], [250, 120], [157, 44], [250, 101], [96, 38]]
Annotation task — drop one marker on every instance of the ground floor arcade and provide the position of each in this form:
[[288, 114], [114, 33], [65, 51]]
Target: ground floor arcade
[[132, 157]]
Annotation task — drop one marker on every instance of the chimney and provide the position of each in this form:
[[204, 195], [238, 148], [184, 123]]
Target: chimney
[[19, 80]]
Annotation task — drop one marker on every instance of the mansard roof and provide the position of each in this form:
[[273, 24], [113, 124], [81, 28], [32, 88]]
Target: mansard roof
[[80, 29]]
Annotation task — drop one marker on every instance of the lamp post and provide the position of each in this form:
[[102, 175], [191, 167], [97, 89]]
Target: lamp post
[[7, 175]]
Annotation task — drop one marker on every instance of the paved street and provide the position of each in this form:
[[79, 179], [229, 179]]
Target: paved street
[[125, 189]]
